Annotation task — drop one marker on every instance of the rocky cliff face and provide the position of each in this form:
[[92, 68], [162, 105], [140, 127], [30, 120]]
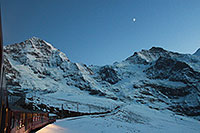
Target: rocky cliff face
[[158, 78]]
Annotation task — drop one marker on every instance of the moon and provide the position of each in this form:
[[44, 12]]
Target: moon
[[134, 19]]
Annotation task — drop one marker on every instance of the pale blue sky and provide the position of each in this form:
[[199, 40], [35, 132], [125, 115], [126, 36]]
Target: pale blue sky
[[101, 31]]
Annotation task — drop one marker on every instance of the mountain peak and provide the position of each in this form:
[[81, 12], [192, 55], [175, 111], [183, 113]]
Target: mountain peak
[[146, 56], [34, 49], [157, 49], [34, 38], [34, 42], [197, 52], [39, 43]]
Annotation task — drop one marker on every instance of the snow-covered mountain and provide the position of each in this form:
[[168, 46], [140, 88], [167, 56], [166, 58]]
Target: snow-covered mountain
[[156, 78], [197, 53]]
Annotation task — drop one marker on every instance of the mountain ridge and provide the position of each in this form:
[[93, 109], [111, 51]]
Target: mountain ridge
[[197, 53], [157, 78]]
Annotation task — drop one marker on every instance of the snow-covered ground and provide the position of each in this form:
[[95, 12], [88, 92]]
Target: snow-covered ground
[[128, 119], [86, 103]]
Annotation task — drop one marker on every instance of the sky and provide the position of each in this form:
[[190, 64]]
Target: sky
[[102, 32]]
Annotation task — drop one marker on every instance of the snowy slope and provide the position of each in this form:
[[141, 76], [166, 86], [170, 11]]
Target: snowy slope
[[156, 79], [197, 53], [130, 119]]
